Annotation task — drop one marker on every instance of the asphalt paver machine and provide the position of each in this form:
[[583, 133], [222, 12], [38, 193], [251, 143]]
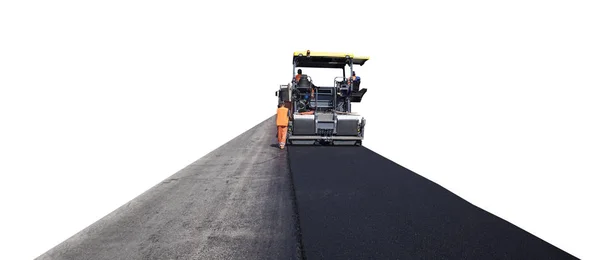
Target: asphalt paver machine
[[323, 114]]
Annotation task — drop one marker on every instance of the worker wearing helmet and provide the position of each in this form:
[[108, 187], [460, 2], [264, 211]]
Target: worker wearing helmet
[[283, 117]]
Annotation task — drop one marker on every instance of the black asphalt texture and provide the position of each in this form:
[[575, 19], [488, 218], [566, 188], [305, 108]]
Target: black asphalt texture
[[250, 200], [356, 204]]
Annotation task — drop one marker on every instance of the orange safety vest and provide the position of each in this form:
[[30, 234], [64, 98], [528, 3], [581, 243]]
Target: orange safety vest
[[282, 116], [298, 76]]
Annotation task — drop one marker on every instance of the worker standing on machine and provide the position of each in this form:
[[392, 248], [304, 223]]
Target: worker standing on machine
[[307, 97], [283, 117], [354, 80], [297, 78]]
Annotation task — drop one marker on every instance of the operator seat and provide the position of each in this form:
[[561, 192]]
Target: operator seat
[[304, 83], [356, 85]]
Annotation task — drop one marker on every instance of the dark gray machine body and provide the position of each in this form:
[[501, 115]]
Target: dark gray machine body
[[324, 119], [323, 114]]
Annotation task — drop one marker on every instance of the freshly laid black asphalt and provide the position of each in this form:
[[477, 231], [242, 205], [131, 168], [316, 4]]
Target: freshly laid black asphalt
[[239, 202], [234, 203], [356, 204]]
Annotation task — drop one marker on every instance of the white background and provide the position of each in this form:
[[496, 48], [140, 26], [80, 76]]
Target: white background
[[100, 101]]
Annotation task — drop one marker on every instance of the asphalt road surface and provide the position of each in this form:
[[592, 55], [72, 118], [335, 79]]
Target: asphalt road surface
[[356, 204], [239, 202], [234, 203]]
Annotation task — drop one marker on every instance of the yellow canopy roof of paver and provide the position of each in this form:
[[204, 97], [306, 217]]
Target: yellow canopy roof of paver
[[327, 59]]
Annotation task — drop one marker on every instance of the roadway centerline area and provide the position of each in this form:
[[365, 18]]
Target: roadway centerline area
[[356, 204], [250, 200]]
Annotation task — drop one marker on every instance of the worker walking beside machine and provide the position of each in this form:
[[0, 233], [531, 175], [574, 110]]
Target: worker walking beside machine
[[283, 117]]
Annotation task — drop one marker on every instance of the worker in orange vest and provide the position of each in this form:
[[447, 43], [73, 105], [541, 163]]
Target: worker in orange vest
[[297, 78], [283, 117]]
